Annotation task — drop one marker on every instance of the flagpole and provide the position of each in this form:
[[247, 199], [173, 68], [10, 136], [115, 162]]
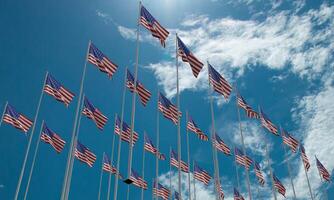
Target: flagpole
[[158, 145], [271, 172], [244, 151], [33, 162], [143, 168], [237, 173], [3, 114], [194, 181], [289, 168], [69, 156], [322, 181], [308, 181], [111, 162], [187, 132], [120, 140], [101, 177], [170, 173], [30, 140]]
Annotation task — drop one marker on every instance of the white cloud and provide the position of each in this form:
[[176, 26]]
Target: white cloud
[[127, 33]]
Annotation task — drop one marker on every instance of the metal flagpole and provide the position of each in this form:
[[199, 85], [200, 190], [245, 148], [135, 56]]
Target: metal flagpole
[[244, 151], [158, 144], [289, 168], [33, 162], [237, 173], [170, 174], [187, 132], [194, 181], [152, 190], [3, 114], [322, 181], [30, 139], [111, 162], [101, 177], [308, 181], [69, 156], [178, 118], [120, 140], [143, 168]]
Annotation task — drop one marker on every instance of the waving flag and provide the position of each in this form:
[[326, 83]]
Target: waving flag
[[57, 90], [191, 125], [220, 145], [266, 123], [50, 137], [187, 56], [249, 110], [175, 162], [126, 132], [108, 167], [142, 92], [137, 180], [148, 21], [290, 141], [160, 191], [323, 171], [279, 186], [219, 83], [168, 110], [242, 159], [258, 173], [201, 175], [237, 195], [83, 154], [97, 58], [16, 119], [149, 146], [94, 114], [304, 158], [219, 189]]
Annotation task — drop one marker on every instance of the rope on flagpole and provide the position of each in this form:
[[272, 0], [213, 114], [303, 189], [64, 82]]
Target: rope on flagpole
[[143, 168], [111, 163], [308, 181], [33, 162], [158, 145], [194, 181], [188, 152], [101, 177], [322, 181], [3, 114], [30, 140]]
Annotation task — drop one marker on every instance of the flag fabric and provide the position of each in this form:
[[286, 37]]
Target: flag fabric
[[50, 137], [266, 123], [16, 119], [175, 162], [126, 132], [151, 24], [278, 185], [219, 83], [249, 110], [304, 158], [177, 196], [160, 191], [108, 167], [149, 146], [187, 56], [323, 171], [290, 141], [258, 173], [97, 58], [143, 93], [137, 180], [220, 145], [237, 195], [57, 90], [192, 126], [201, 175], [83, 154], [94, 114], [219, 190], [168, 110], [242, 159]]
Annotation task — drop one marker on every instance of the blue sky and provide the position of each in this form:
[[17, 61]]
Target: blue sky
[[279, 53]]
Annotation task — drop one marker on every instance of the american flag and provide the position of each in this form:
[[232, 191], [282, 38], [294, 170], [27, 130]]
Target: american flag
[[57, 90], [94, 114], [290, 141], [168, 110], [187, 56], [126, 133], [108, 167], [160, 191], [201, 175], [237, 195], [16, 119], [192, 126], [149, 146], [304, 158], [174, 161], [219, 83], [266, 123], [177, 196], [278, 185], [323, 171], [97, 58], [148, 21], [242, 159], [137, 180], [50, 137], [220, 145], [258, 173], [219, 190], [249, 110], [83, 154], [142, 92]]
